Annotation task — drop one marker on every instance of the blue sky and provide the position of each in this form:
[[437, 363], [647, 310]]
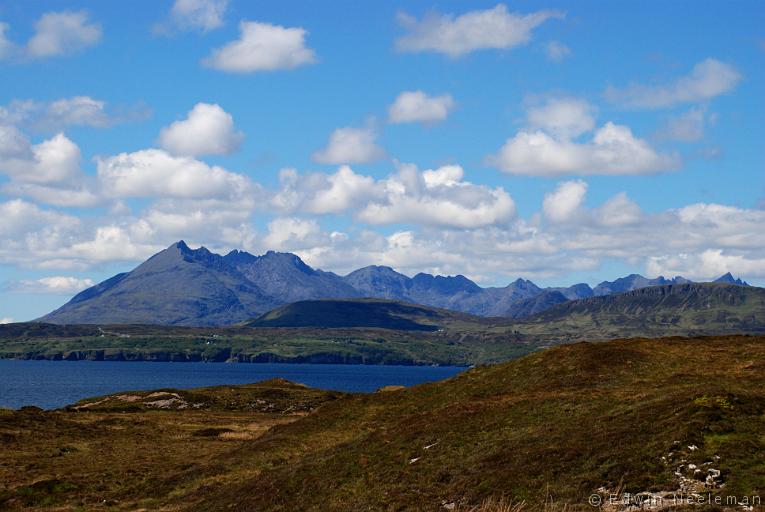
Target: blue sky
[[556, 141]]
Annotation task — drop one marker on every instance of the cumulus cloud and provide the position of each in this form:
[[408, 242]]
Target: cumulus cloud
[[61, 33], [154, 172], [57, 285], [418, 107], [707, 265], [688, 126], [13, 143], [699, 240], [207, 130], [321, 193], [48, 172], [565, 201], [56, 115], [293, 234], [494, 28], [620, 210], [707, 79], [7, 48], [438, 198], [350, 145], [557, 51], [78, 193], [201, 15], [263, 47], [19, 217], [55, 160], [433, 197], [564, 117], [612, 150]]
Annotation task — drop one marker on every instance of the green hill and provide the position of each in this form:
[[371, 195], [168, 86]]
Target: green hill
[[371, 313], [680, 309]]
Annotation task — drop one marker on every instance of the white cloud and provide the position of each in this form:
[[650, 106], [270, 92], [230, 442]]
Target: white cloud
[[433, 197], [63, 194], [154, 172], [48, 172], [6, 320], [707, 265], [494, 28], [55, 160], [557, 51], [418, 107], [207, 130], [57, 285], [687, 127], [707, 79], [293, 234], [613, 150], [18, 218], [620, 210], [202, 15], [438, 198], [350, 146], [77, 111], [13, 144], [60, 33], [110, 243], [320, 193], [7, 48], [563, 117], [56, 115], [263, 47], [565, 201]]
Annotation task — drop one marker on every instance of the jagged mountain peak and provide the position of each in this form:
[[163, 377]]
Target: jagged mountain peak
[[728, 278]]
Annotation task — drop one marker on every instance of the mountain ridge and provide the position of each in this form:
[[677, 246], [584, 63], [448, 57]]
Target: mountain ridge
[[196, 287]]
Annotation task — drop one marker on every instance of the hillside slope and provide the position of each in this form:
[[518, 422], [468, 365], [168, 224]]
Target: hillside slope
[[559, 424], [682, 309], [371, 313]]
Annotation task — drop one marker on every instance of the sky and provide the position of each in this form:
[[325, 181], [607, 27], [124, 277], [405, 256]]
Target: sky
[[561, 142]]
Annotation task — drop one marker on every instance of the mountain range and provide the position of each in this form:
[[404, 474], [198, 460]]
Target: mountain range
[[196, 287]]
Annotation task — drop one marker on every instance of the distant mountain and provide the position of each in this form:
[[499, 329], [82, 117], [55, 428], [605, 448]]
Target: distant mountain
[[346, 313], [574, 292], [287, 278], [457, 293], [634, 282], [686, 309], [178, 286], [536, 304], [729, 279], [195, 287]]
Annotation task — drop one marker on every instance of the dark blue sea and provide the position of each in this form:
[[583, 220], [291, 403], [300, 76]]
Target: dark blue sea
[[53, 384]]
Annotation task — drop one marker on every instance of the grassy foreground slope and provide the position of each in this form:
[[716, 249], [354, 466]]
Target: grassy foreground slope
[[135, 449], [558, 424]]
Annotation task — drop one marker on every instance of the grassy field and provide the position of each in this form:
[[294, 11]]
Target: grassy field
[[555, 426]]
